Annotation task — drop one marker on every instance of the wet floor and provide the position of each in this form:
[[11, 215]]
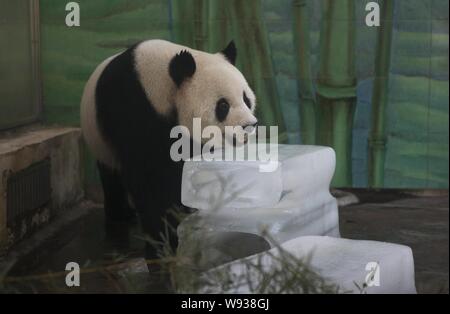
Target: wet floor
[[89, 242], [419, 222]]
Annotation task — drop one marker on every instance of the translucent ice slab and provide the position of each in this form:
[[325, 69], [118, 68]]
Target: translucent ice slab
[[222, 185], [214, 185], [295, 215], [292, 217], [383, 267]]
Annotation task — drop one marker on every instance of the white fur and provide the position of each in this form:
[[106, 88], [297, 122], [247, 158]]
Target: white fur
[[214, 78]]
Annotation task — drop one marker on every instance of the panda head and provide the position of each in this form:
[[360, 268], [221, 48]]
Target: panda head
[[210, 87]]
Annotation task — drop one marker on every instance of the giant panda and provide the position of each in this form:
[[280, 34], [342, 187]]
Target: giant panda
[[130, 104]]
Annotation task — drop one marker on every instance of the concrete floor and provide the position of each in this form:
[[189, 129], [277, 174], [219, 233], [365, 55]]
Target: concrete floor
[[419, 222]]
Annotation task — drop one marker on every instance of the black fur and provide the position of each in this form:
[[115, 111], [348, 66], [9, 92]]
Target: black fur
[[115, 195], [230, 52], [181, 67], [222, 109], [139, 137], [247, 101]]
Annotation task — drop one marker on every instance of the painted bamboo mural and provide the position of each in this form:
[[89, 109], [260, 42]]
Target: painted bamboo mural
[[303, 69], [336, 85], [377, 139], [415, 116]]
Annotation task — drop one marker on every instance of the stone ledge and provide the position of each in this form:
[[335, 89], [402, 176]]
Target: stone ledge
[[11, 142], [23, 148]]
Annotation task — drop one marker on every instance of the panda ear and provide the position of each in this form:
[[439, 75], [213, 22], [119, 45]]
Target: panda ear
[[181, 67], [230, 52]]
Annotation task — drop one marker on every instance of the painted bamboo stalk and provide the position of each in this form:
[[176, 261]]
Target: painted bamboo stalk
[[240, 21], [182, 22], [304, 79], [189, 22], [200, 8], [377, 138], [336, 85], [220, 28], [255, 61]]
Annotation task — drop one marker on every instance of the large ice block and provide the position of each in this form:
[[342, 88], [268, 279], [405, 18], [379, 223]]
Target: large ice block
[[305, 206], [214, 185], [307, 170], [384, 267], [294, 215]]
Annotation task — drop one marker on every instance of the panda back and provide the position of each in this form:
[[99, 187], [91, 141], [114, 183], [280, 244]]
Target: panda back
[[88, 117], [127, 121]]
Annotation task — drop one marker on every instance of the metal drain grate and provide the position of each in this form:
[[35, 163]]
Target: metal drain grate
[[28, 190]]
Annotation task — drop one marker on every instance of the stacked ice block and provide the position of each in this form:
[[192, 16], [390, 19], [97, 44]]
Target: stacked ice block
[[355, 266], [291, 201], [239, 205]]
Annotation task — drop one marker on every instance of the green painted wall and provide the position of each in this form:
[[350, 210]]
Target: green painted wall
[[417, 107], [69, 55]]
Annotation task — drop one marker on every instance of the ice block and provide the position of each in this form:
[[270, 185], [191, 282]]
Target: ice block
[[346, 263], [223, 185], [293, 216], [214, 185]]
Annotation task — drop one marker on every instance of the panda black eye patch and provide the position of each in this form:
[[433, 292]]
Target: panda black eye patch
[[247, 101], [222, 109]]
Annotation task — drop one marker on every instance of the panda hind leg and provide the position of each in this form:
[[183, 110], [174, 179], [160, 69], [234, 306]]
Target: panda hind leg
[[117, 208]]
